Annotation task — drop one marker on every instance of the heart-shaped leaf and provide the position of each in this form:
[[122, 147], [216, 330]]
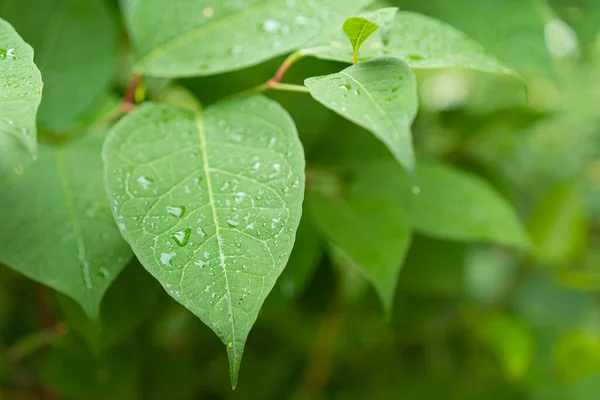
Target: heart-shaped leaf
[[422, 42], [21, 95], [358, 29], [210, 203], [380, 95], [56, 225], [206, 37]]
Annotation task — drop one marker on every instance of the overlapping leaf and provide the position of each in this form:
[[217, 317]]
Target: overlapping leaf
[[380, 95], [370, 230], [451, 204], [421, 41], [210, 203], [182, 38], [75, 46], [56, 226], [21, 94]]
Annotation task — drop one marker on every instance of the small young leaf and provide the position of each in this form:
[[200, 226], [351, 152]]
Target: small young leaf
[[370, 230], [233, 34], [386, 18], [358, 29], [77, 62], [57, 226], [422, 42], [451, 204], [380, 95], [21, 94], [210, 203]]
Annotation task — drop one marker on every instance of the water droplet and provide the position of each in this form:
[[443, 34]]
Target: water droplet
[[176, 211], [345, 87], [200, 232], [182, 237], [144, 182], [103, 273], [232, 223], [271, 25], [166, 258]]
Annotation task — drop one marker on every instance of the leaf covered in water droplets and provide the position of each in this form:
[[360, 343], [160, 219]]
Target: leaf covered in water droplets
[[421, 41], [206, 37], [20, 96], [380, 95], [358, 29], [210, 203], [56, 225]]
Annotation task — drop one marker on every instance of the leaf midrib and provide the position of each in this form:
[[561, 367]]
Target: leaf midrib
[[75, 224], [206, 165]]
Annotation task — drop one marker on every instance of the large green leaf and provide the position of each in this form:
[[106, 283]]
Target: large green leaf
[[380, 95], [370, 230], [511, 30], [421, 41], [183, 38], [21, 84], [56, 226], [210, 204], [451, 204], [75, 46]]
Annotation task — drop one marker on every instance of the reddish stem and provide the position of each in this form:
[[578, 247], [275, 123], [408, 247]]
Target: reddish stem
[[128, 103], [283, 69]]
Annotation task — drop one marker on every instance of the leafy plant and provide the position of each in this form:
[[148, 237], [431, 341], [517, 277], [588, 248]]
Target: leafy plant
[[156, 164]]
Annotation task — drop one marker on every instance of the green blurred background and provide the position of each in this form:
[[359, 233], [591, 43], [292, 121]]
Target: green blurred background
[[471, 321]]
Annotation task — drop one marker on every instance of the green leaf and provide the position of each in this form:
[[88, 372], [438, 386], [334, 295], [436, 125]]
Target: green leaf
[[358, 29], [558, 225], [380, 95], [21, 94], [511, 30], [56, 226], [422, 42], [210, 204], [76, 44], [370, 230], [452, 204], [232, 34], [386, 18], [118, 314]]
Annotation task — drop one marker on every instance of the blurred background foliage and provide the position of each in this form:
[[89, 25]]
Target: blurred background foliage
[[470, 320]]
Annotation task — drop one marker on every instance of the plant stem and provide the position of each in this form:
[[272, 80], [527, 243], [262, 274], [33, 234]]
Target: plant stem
[[286, 87], [284, 67], [275, 82], [320, 362], [128, 103]]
